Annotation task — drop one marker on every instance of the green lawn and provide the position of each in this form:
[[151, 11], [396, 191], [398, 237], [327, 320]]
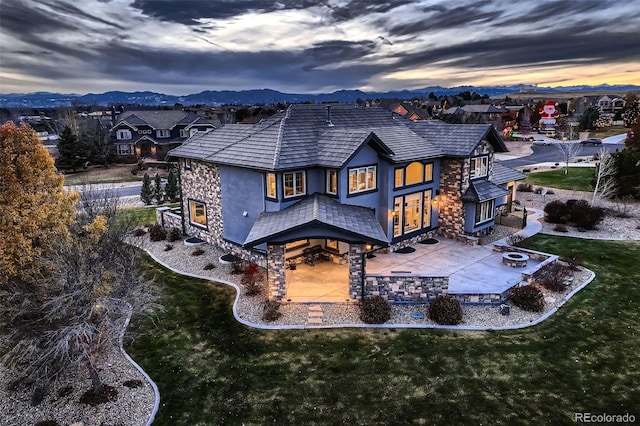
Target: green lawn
[[578, 178], [212, 370], [140, 216]]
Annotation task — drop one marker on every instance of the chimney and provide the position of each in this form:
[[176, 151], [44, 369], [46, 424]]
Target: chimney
[[329, 123], [113, 116]]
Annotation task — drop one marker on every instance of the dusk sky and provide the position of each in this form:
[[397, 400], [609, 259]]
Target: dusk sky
[[305, 46]]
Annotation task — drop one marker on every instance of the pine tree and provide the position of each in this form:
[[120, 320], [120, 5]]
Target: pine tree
[[35, 209], [525, 123], [172, 186], [146, 192], [70, 152], [158, 193]]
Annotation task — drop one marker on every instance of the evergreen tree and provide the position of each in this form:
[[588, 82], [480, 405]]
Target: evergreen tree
[[70, 151], [158, 193], [525, 122], [146, 192], [172, 186]]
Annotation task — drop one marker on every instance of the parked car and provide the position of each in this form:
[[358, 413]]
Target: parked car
[[540, 141], [591, 141]]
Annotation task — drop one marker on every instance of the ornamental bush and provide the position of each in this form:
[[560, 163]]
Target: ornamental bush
[[375, 310], [445, 310], [557, 212], [157, 232], [583, 215], [528, 297], [252, 280], [271, 311], [553, 276], [174, 234]]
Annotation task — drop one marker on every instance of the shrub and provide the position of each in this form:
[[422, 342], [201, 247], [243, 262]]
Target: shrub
[[525, 187], [574, 260], [209, 266], [446, 310], [528, 297], [157, 232], [138, 232], [517, 240], [135, 170], [252, 280], [583, 215], [236, 268], [553, 276], [557, 212], [560, 228], [526, 170], [375, 310], [550, 192], [168, 247], [197, 252], [271, 311], [174, 234]]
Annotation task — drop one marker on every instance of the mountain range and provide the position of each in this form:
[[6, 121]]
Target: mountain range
[[268, 96]]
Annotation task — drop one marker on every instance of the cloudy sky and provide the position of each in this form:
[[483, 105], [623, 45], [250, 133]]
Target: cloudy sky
[[306, 46]]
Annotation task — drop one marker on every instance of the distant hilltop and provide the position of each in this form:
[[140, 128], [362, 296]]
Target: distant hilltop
[[268, 96]]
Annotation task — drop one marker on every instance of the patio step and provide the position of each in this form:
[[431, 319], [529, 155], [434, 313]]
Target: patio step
[[315, 315]]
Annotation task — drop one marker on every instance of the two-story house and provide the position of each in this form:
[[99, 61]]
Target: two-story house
[[341, 179], [152, 134], [610, 104]]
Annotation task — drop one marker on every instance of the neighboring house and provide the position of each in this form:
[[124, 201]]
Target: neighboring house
[[340, 179], [405, 108], [151, 134], [610, 104], [480, 113]]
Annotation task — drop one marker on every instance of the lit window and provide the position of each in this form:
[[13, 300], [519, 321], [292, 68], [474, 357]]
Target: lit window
[[399, 178], [163, 133], [412, 212], [197, 213], [479, 167], [332, 182], [428, 172], [397, 216], [123, 134], [331, 244], [426, 213], [414, 174], [271, 185], [294, 184], [362, 179], [484, 211]]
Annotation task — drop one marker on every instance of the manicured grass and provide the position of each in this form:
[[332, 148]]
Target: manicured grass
[[140, 216], [608, 131], [212, 370], [578, 178], [115, 173]]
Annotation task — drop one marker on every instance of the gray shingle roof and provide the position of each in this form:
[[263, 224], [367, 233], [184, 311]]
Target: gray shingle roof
[[482, 190], [457, 140], [161, 119], [360, 223], [503, 174], [302, 136]]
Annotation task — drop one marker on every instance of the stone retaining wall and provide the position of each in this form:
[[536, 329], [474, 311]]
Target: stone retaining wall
[[406, 288], [169, 218]]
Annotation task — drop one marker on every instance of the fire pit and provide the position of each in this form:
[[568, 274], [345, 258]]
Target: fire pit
[[514, 259]]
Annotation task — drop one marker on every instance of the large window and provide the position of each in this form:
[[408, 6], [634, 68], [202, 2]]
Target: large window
[[413, 174], [332, 182], [362, 179], [479, 167], [197, 213], [123, 134], [484, 211], [294, 184], [271, 186], [411, 212], [124, 149], [163, 133]]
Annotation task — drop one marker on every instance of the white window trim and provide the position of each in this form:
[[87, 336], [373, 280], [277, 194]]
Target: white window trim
[[123, 134], [479, 167], [163, 133], [328, 183], [362, 174], [294, 176], [485, 211]]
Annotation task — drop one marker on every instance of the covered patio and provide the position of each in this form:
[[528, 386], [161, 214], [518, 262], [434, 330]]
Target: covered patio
[[325, 282]]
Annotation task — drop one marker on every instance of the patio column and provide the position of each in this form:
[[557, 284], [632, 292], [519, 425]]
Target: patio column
[[275, 271], [356, 270]]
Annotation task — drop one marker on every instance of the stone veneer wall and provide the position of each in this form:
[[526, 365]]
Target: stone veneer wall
[[411, 241], [454, 180], [356, 270], [276, 280], [202, 183], [167, 218], [406, 288]]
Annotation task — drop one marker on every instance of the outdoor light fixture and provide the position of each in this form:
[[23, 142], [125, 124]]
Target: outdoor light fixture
[[245, 213], [434, 201], [368, 247]]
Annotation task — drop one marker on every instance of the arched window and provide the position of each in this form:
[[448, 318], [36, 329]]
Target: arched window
[[414, 174]]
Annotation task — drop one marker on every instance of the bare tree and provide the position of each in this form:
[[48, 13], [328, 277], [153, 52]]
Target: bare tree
[[605, 186], [96, 136], [568, 150], [69, 317]]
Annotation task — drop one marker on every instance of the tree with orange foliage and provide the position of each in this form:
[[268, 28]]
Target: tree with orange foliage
[[35, 209]]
